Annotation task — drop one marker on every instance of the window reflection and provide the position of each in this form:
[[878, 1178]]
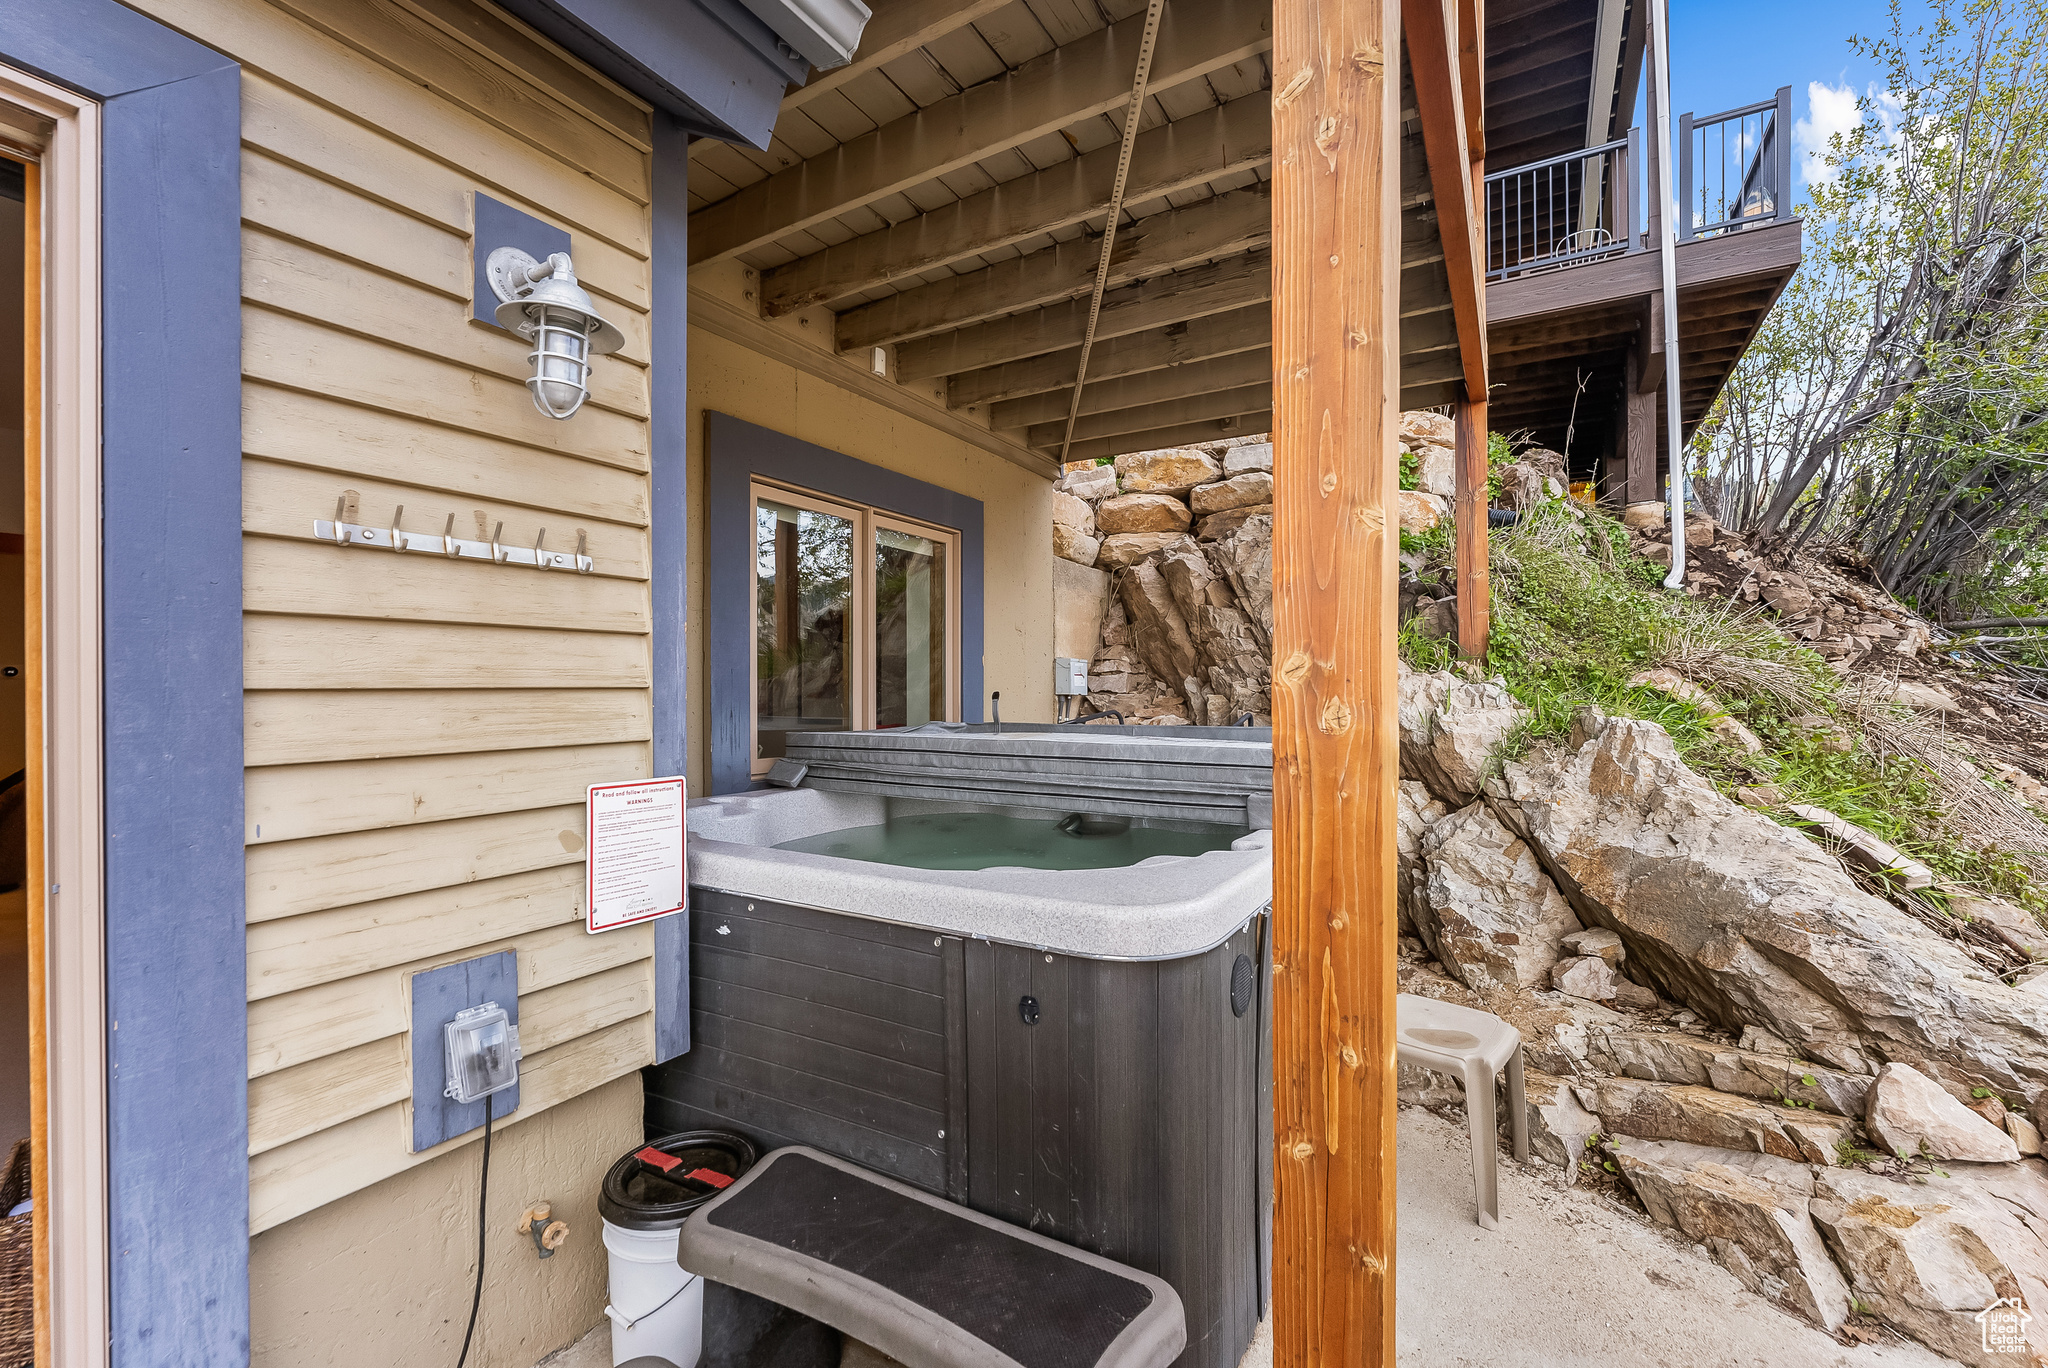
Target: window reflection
[[804, 622], [910, 629]]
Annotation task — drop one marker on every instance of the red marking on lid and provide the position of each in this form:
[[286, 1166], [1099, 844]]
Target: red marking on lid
[[665, 1162], [716, 1179]]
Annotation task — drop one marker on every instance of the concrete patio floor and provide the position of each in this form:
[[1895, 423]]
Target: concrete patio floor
[[1567, 1279]]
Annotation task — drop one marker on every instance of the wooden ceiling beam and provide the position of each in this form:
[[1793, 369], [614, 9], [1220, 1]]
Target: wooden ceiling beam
[[1105, 395], [1431, 40], [1222, 226], [1220, 285], [1077, 81], [1210, 404], [1538, 80], [1560, 43], [1178, 344], [1233, 137], [1149, 304], [1186, 434]]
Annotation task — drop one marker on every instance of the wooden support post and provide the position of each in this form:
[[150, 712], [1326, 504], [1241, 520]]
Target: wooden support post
[[1336, 757], [1642, 437], [1474, 584]]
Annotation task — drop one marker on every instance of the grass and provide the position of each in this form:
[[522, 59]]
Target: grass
[[1575, 616]]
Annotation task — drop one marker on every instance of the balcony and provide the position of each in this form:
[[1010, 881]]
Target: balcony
[[1574, 313], [1734, 175]]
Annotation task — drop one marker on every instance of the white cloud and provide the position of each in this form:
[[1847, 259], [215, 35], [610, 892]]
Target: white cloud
[[1834, 110], [1830, 110]]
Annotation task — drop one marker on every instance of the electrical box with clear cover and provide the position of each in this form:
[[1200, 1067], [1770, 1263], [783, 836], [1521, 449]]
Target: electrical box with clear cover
[[483, 1053], [1069, 677]]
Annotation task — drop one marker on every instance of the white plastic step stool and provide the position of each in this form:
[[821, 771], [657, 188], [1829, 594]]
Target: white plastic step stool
[[1473, 1046]]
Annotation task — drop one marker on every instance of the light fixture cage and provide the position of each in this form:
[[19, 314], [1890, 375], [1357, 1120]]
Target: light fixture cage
[[542, 302]]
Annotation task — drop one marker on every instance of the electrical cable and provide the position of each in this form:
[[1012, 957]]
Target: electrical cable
[[1133, 113], [483, 1192]]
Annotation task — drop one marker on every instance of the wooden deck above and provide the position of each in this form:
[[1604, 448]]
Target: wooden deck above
[[944, 199], [1569, 334]]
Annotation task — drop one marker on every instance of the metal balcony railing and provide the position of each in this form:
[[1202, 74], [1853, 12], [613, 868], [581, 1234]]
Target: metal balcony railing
[[1735, 169], [1734, 173], [1571, 209]]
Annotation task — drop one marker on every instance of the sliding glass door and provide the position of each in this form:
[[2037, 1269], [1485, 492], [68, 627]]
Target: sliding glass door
[[855, 618]]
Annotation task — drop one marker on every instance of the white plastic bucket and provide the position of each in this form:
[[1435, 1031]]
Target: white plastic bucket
[[656, 1308]]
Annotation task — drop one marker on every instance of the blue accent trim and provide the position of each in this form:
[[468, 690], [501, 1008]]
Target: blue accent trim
[[669, 536], [437, 995], [735, 453], [177, 1044], [494, 224], [711, 63]]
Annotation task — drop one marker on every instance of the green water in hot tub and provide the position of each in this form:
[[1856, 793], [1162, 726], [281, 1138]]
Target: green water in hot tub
[[984, 840]]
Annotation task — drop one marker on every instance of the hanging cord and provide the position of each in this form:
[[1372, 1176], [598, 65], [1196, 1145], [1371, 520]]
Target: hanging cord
[[1132, 114], [483, 1192]]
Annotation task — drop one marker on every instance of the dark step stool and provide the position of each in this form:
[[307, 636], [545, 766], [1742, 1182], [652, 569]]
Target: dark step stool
[[927, 1282]]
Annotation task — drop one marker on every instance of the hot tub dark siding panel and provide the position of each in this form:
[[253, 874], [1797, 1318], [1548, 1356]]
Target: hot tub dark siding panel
[[817, 1029], [1127, 1120]]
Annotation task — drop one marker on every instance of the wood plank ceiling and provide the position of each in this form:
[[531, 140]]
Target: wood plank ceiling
[[945, 196]]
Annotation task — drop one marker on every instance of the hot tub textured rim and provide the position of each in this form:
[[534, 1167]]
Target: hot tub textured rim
[[1162, 908]]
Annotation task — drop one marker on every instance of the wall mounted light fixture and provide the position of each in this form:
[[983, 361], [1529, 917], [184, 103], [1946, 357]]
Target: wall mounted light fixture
[[543, 303]]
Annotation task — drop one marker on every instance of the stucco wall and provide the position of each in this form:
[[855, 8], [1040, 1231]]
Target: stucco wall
[[384, 1276], [1018, 564]]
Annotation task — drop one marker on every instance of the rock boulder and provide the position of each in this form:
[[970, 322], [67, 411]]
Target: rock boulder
[[1911, 1116], [1420, 512], [1068, 511], [1218, 525], [1493, 917], [1705, 1116], [1089, 482], [1750, 1211], [1252, 487], [1173, 471], [1071, 544], [1142, 513], [1128, 548], [1750, 923], [1929, 1256], [1240, 460], [1584, 976], [1452, 730]]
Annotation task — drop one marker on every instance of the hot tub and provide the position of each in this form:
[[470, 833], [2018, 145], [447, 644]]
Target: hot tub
[[1083, 1051]]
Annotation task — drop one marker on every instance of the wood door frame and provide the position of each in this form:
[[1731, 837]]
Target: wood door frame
[[166, 549], [61, 628]]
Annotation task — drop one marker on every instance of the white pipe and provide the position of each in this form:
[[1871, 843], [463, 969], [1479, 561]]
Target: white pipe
[[1667, 251]]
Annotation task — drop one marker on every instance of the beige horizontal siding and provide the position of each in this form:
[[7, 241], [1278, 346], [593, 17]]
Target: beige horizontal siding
[[291, 802], [351, 442], [285, 728], [276, 497], [420, 732], [284, 652], [307, 1173], [292, 1028]]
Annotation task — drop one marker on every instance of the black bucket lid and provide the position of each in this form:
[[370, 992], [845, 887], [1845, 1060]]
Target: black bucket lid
[[658, 1185]]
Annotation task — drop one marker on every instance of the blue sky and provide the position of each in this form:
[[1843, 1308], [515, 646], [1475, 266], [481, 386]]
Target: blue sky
[[1733, 52]]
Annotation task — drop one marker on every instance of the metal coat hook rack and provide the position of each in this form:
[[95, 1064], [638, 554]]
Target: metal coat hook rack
[[344, 530]]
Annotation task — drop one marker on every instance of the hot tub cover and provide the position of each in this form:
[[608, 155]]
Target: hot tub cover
[[927, 1282]]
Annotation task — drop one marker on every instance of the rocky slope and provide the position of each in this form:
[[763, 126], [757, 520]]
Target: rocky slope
[[1185, 539], [1831, 1077], [1838, 1104]]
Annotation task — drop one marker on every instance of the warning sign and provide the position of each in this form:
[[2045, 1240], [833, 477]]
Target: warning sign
[[635, 851]]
